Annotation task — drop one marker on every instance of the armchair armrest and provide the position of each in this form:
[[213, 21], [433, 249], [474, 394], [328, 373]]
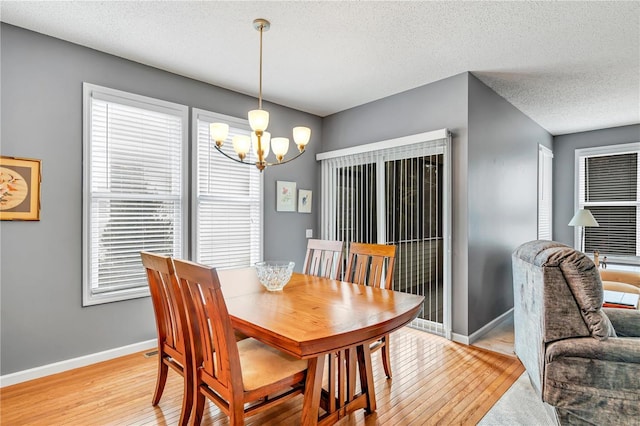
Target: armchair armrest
[[626, 322], [616, 349]]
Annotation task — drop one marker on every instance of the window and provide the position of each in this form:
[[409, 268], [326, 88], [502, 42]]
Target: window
[[545, 176], [134, 189], [228, 201], [607, 185]]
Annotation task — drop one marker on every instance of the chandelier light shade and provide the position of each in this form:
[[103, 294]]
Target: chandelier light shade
[[258, 120], [241, 145], [219, 132], [260, 141]]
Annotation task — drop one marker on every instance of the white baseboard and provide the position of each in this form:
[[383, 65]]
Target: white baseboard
[[490, 326], [468, 340], [70, 364], [460, 338]]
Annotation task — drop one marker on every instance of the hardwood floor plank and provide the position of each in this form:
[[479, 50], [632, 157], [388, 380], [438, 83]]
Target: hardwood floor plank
[[428, 384], [428, 403], [435, 381]]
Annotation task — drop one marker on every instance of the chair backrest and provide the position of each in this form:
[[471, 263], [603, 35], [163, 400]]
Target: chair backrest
[[369, 263], [215, 352], [167, 303], [621, 287], [557, 295], [627, 277], [323, 258]]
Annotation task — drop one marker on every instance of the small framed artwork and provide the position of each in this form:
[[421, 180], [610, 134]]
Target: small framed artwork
[[304, 201], [19, 188], [286, 196]]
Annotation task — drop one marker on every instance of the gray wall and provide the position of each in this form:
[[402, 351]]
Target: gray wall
[[42, 318], [503, 201], [495, 147], [564, 147], [430, 107]]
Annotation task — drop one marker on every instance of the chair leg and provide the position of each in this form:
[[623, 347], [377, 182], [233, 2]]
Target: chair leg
[[236, 414], [386, 356], [350, 359], [198, 408], [161, 380], [187, 400]]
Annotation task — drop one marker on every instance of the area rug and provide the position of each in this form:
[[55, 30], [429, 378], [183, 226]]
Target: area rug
[[518, 406]]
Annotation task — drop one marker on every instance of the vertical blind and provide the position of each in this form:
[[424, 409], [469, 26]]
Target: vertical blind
[[228, 225], [134, 188], [545, 193], [394, 195], [608, 187]]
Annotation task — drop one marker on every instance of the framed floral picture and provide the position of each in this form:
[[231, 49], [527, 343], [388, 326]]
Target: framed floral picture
[[19, 188], [304, 201], [285, 196]]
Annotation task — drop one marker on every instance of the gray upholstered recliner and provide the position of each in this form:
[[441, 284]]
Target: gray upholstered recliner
[[582, 360]]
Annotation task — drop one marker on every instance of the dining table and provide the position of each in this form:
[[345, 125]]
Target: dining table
[[317, 318]]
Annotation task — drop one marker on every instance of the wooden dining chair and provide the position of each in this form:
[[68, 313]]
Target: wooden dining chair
[[371, 264], [174, 349], [241, 377], [323, 258]]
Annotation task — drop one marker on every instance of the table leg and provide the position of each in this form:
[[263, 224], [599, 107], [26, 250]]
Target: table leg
[[366, 376], [313, 391]]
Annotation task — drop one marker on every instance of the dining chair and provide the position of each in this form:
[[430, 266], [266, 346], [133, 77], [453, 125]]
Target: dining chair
[[241, 377], [371, 264], [174, 349], [323, 258]]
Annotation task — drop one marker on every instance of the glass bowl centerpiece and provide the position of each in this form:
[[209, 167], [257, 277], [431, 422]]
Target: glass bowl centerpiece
[[274, 275]]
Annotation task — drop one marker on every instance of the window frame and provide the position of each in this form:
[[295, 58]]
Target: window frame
[[609, 150], [210, 116], [91, 91]]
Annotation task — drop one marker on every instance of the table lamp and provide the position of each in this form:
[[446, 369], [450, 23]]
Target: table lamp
[[583, 218]]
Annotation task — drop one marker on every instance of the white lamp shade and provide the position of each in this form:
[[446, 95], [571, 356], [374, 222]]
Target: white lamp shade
[[301, 135], [280, 146], [241, 144], [583, 217], [265, 140], [219, 131], [258, 120]]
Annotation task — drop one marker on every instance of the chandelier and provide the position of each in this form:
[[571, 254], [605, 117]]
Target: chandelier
[[260, 140]]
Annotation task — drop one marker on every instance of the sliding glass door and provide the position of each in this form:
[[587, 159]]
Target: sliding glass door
[[397, 195], [413, 214]]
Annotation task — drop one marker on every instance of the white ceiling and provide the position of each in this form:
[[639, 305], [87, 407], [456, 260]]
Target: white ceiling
[[570, 66]]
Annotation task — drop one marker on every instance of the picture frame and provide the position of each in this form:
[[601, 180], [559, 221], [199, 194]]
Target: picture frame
[[285, 196], [20, 180], [304, 200]]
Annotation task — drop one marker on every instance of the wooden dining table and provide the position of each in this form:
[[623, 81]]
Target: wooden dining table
[[317, 318]]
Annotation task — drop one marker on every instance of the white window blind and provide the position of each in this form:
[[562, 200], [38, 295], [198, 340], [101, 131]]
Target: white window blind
[[228, 202], [545, 193], [134, 189], [608, 186]]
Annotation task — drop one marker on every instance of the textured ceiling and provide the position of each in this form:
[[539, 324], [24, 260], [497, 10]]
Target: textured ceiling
[[570, 66]]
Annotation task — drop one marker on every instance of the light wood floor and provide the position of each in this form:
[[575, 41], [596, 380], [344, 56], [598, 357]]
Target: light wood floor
[[435, 382], [500, 339]]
